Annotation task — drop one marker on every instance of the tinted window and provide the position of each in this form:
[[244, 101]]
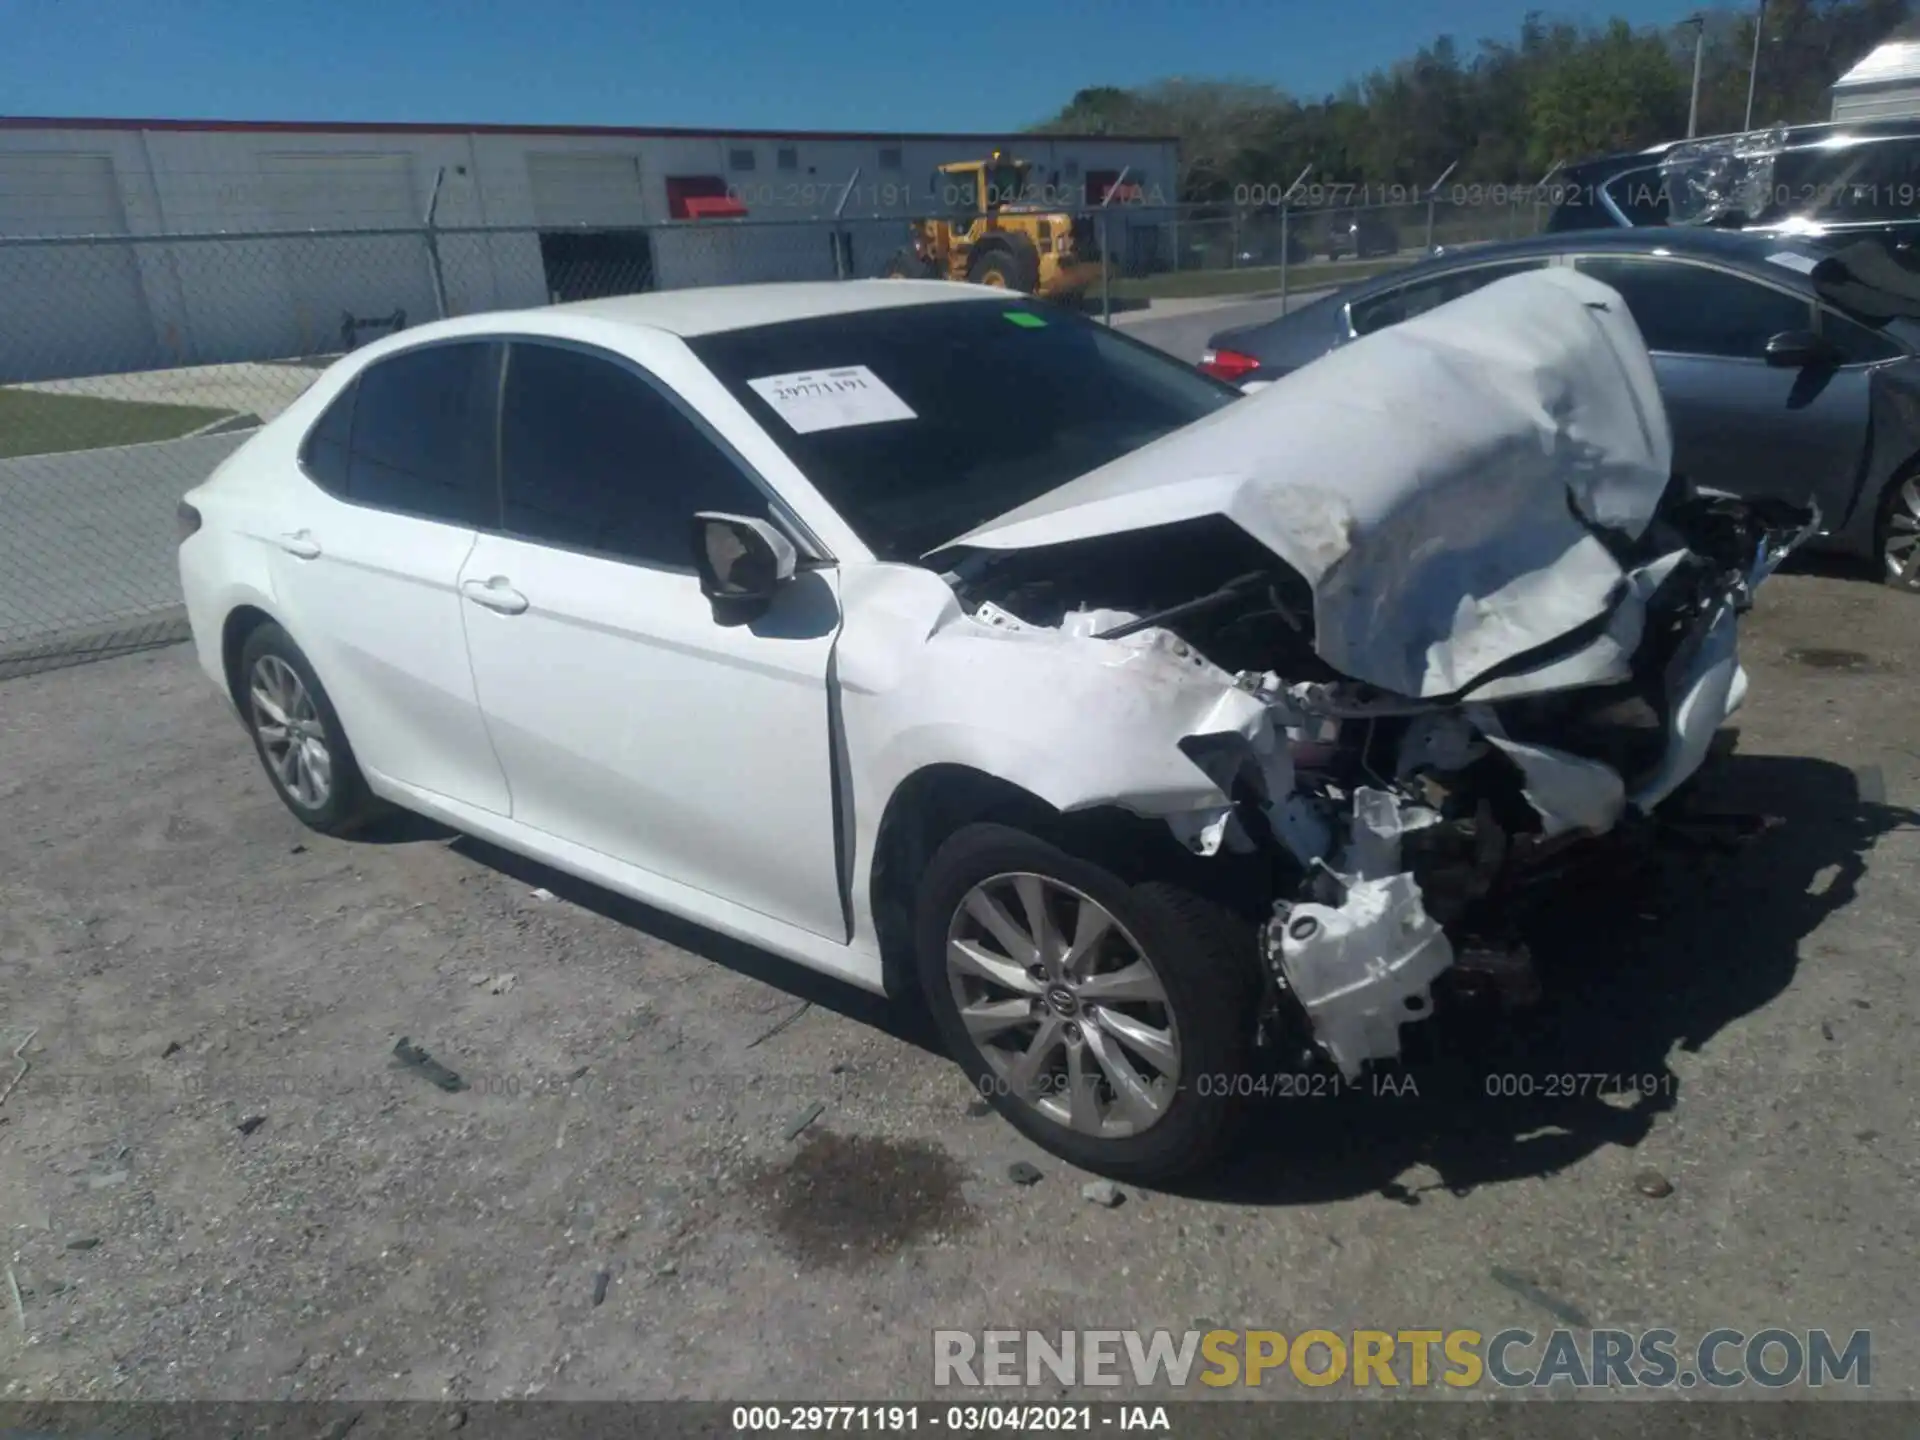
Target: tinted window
[[1379, 311], [422, 427], [1873, 181], [1859, 345], [1640, 195], [1003, 402], [593, 457], [1692, 310], [324, 456]]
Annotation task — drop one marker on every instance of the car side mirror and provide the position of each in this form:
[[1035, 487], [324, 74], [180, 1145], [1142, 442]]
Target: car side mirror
[[1798, 349], [741, 561]]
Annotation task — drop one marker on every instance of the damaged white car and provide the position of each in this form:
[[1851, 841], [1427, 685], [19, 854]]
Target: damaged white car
[[960, 647]]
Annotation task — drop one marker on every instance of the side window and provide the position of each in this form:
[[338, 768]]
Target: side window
[[422, 427], [1692, 310], [594, 458], [1379, 311], [1859, 344], [1640, 195], [323, 455]]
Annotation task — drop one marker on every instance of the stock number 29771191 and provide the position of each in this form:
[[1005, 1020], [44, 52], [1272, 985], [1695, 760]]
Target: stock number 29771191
[[815, 1419]]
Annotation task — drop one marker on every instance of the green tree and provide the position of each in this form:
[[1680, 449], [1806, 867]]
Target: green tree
[[1616, 91], [1503, 110]]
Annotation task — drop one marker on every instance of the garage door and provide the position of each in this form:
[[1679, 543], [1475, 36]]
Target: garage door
[[70, 309], [332, 280], [575, 189]]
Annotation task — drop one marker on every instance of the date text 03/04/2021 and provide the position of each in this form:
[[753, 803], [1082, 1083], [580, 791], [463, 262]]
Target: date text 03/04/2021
[[1391, 1085], [1144, 1420]]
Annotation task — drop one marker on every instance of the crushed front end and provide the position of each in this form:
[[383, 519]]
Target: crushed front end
[[1433, 822], [1502, 632]]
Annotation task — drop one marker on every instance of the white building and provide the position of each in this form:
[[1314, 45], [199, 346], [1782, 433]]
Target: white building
[[712, 201], [1883, 86]]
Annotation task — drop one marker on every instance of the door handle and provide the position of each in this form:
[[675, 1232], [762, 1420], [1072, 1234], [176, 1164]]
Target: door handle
[[300, 543], [496, 594]]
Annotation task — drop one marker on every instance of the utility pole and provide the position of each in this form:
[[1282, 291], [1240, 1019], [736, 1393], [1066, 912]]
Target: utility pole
[[1753, 68], [1699, 23]]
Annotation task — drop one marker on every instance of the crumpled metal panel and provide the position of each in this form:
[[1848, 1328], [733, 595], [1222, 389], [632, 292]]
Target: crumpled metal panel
[[1733, 175]]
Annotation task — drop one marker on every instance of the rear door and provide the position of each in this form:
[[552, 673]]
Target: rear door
[[1739, 423], [367, 559]]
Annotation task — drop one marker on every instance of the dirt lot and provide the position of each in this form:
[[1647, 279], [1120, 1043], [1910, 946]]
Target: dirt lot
[[187, 959]]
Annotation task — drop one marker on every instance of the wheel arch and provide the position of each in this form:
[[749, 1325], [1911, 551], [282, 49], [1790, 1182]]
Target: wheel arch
[[235, 630], [937, 800]]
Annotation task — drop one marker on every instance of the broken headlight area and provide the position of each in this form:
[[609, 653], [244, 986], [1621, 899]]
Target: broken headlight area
[[1408, 838]]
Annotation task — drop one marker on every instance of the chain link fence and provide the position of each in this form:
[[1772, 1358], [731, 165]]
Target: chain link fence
[[132, 365]]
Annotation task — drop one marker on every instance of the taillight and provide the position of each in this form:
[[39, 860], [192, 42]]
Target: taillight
[[188, 518], [1228, 365]]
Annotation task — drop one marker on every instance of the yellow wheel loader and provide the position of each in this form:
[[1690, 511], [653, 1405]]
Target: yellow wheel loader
[[991, 235]]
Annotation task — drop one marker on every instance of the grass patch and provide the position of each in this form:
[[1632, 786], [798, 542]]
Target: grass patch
[[33, 422], [1253, 280]]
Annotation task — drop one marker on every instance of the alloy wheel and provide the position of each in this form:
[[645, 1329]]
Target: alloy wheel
[[1900, 546], [1064, 1005], [292, 736]]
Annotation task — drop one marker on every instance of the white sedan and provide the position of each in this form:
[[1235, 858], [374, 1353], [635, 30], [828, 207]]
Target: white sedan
[[967, 650]]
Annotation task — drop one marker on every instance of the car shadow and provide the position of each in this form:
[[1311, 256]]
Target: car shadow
[[904, 1022], [1833, 565], [1632, 966]]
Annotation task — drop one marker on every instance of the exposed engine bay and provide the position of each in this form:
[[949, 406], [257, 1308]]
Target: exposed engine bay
[[1403, 827], [1409, 705]]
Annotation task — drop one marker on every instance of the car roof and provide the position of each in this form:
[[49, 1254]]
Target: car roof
[[1797, 135], [708, 310], [1708, 242], [704, 310]]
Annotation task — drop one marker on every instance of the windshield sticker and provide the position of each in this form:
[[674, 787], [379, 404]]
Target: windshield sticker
[[848, 395], [1803, 263], [1024, 319]]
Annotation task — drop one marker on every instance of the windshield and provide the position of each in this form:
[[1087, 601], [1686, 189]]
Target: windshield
[[1005, 184], [1856, 184], [966, 409]]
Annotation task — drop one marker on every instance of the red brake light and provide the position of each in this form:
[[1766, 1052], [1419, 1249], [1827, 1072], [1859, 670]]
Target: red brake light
[[1227, 365]]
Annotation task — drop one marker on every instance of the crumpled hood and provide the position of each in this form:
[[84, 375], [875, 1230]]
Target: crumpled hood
[[1438, 483]]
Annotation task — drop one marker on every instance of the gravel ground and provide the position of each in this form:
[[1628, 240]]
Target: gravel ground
[[215, 1181]]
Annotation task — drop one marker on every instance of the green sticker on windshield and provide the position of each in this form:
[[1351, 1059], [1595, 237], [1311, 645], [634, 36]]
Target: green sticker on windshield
[[1025, 320]]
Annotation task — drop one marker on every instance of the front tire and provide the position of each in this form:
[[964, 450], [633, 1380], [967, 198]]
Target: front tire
[[298, 735], [1012, 264], [1109, 1020], [1897, 533]]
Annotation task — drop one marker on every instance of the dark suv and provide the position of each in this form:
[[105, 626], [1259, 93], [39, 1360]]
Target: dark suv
[[1359, 235], [1839, 179]]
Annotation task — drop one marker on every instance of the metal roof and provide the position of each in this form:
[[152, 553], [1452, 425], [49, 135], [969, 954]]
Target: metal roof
[[1890, 63], [368, 127]]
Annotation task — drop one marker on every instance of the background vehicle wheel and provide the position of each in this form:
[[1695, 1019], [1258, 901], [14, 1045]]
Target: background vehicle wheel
[[1897, 537], [1008, 269], [1107, 1020], [907, 265], [302, 746]]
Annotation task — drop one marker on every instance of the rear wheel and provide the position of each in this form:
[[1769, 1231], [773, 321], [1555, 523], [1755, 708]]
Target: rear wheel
[[298, 735], [907, 265], [1011, 263], [1898, 533], [1108, 1020]]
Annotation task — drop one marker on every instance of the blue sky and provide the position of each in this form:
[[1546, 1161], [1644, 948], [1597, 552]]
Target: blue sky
[[799, 64]]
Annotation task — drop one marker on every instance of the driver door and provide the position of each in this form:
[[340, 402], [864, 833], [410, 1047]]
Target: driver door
[[1740, 424], [626, 717]]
